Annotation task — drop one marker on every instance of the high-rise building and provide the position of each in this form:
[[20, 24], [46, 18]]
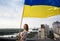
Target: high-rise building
[[42, 34], [56, 27]]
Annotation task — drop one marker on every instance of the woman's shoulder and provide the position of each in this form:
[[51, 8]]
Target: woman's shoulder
[[23, 32]]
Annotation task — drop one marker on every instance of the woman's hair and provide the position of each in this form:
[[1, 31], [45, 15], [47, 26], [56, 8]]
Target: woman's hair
[[26, 27]]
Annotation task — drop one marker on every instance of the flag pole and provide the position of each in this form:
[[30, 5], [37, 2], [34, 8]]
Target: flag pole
[[21, 23], [22, 17]]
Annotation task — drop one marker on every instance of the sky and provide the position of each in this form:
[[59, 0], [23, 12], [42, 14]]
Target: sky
[[36, 22], [10, 13]]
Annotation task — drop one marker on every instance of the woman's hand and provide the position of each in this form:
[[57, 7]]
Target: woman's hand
[[19, 37]]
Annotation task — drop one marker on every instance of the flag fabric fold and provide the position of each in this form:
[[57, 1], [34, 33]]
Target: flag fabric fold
[[41, 8]]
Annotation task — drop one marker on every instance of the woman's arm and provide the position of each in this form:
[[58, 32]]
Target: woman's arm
[[23, 35], [19, 37]]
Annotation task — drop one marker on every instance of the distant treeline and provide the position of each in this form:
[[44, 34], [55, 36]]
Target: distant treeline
[[9, 31]]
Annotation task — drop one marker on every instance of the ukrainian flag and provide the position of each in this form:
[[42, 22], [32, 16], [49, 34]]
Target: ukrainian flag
[[38, 12], [41, 8]]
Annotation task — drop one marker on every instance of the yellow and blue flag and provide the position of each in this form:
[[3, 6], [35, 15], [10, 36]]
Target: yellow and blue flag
[[37, 12], [41, 8]]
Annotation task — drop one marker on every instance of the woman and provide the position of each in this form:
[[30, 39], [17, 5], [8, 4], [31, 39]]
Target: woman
[[23, 35]]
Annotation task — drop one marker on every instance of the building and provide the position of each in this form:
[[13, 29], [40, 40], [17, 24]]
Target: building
[[56, 27], [42, 34]]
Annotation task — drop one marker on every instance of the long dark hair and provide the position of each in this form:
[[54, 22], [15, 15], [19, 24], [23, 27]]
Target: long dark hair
[[26, 27]]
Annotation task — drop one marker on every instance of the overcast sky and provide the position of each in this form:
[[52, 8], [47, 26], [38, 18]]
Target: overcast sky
[[10, 13]]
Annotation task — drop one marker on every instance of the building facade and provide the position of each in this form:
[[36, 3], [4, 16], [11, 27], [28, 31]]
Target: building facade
[[56, 27], [43, 32]]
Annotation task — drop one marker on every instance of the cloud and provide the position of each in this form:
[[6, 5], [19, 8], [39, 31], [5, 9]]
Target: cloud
[[11, 7], [10, 13]]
